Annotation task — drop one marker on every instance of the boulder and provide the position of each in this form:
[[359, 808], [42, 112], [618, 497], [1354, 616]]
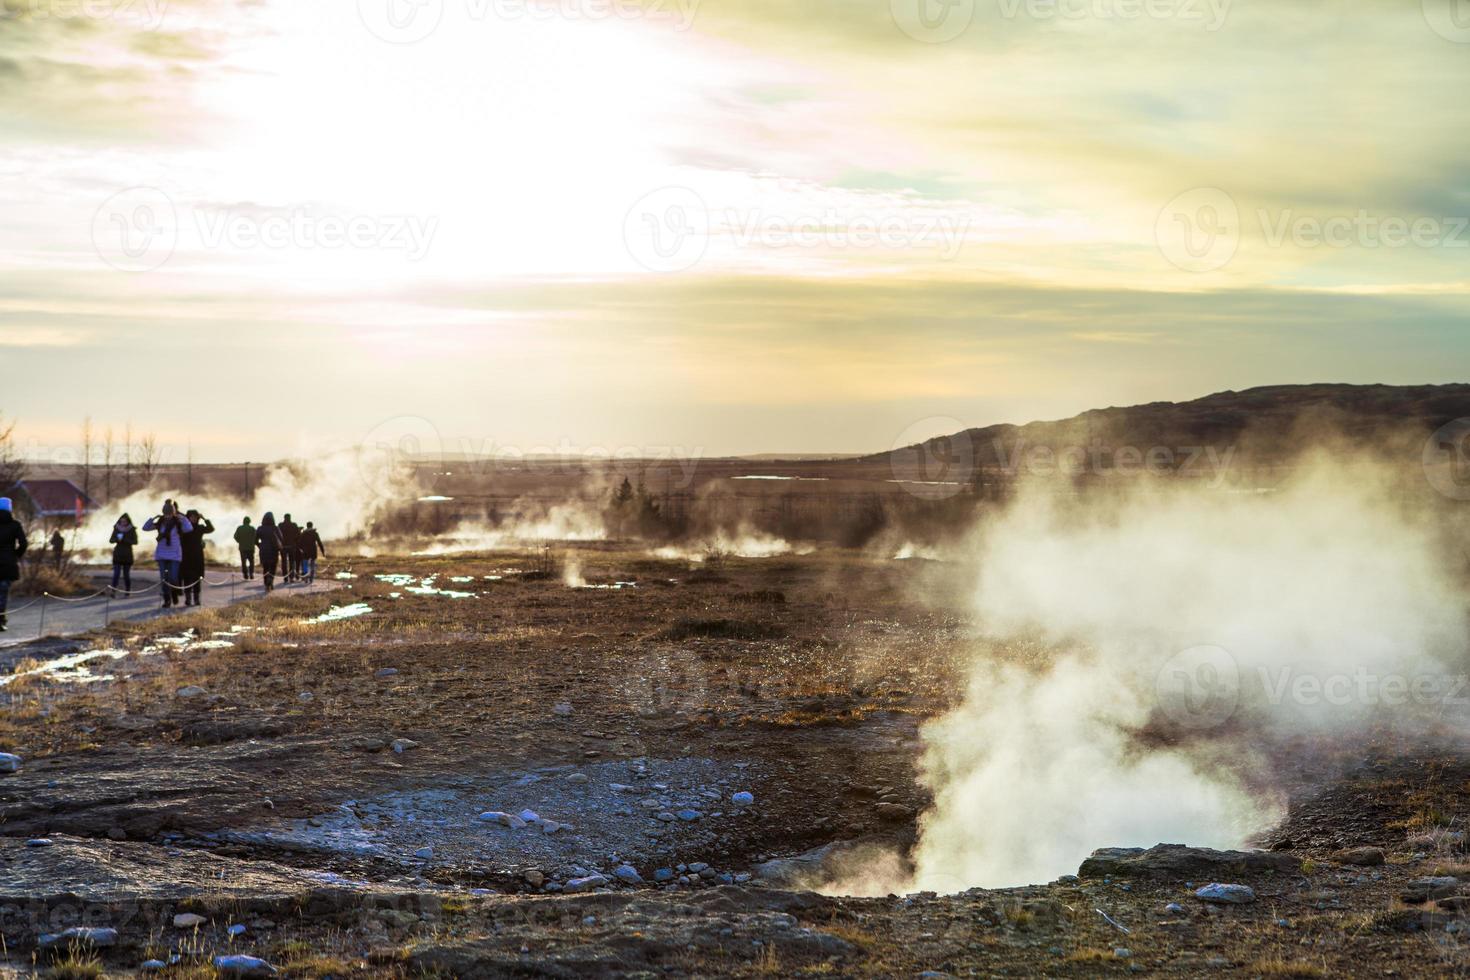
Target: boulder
[[1362, 857], [188, 920], [82, 936], [9, 763], [1222, 894], [1185, 862], [243, 966]]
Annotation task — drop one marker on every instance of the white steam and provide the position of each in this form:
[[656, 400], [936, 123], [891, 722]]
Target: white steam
[[1144, 652], [740, 542]]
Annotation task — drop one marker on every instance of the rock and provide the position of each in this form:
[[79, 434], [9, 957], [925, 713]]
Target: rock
[[585, 884], [663, 874], [504, 819], [1122, 952], [305, 696], [577, 778], [535, 879], [564, 709], [386, 672], [697, 867], [622, 788], [79, 936], [1423, 889], [243, 966], [743, 799], [402, 745], [1362, 857], [424, 853], [367, 743], [1177, 859], [190, 691], [9, 763], [628, 875], [893, 812], [149, 966], [530, 816], [550, 826], [666, 817], [235, 930], [1219, 894], [39, 842], [689, 816], [189, 920], [1174, 908]]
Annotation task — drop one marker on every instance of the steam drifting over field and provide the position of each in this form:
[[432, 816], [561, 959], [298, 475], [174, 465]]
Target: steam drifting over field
[[1143, 653]]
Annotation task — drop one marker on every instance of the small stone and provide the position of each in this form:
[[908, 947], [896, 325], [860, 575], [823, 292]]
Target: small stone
[[663, 874], [386, 672], [535, 879], [743, 799], [577, 778], [892, 812], [666, 817], [424, 853], [189, 920], [697, 867], [530, 816], [79, 936], [586, 883], [1363, 857], [39, 842], [564, 709], [367, 743], [1174, 908], [552, 887], [742, 877], [589, 920], [235, 930], [504, 819], [243, 966], [9, 763], [1221, 894], [190, 691], [305, 696], [551, 826], [402, 745], [628, 875], [689, 816], [1122, 952], [152, 965]]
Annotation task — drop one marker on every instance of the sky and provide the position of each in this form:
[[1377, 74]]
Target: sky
[[259, 228]]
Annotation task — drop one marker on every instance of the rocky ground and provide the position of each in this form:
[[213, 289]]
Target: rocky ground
[[462, 766]]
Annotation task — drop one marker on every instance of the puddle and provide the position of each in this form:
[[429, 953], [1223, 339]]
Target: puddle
[[344, 576], [73, 668], [615, 586], [339, 613], [424, 587]]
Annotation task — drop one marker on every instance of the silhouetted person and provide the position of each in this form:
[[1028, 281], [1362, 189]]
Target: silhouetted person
[[191, 570], [310, 544], [12, 546], [58, 548], [124, 538], [290, 553], [268, 540], [245, 538], [169, 552]]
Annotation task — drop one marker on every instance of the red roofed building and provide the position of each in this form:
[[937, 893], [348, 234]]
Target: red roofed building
[[52, 500]]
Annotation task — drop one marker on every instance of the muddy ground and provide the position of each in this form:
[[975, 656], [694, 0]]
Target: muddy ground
[[324, 774]]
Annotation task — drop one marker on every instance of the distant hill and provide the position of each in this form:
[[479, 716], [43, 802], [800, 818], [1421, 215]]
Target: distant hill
[[1263, 426]]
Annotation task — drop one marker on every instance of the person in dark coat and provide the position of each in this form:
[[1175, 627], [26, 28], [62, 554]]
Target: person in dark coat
[[192, 568], [58, 548], [12, 546], [310, 544], [245, 538], [268, 540], [124, 538], [290, 549]]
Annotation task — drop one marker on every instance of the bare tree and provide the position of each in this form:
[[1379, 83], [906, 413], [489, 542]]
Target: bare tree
[[149, 456], [12, 467], [189, 470], [128, 460], [87, 456], [107, 451]]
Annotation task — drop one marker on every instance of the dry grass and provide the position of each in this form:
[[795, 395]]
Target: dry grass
[[1277, 966]]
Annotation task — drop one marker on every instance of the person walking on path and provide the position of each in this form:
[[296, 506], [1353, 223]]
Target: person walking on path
[[268, 539], [192, 567], [290, 549], [12, 545], [245, 538], [124, 539], [169, 552], [310, 544], [58, 548]]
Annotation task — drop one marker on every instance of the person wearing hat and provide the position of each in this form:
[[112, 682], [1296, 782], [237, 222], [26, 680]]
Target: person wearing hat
[[191, 567], [169, 553], [245, 539], [12, 545]]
